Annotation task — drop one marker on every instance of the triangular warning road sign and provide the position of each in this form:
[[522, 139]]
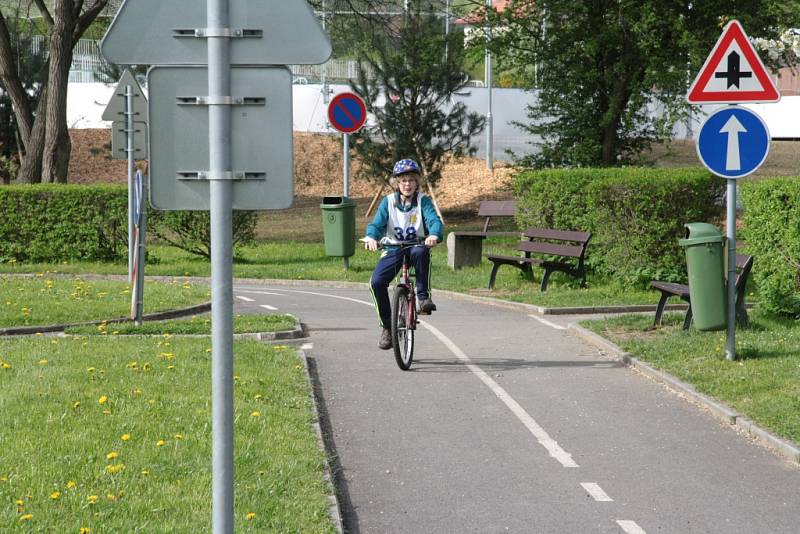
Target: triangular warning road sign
[[115, 110], [175, 32], [733, 72]]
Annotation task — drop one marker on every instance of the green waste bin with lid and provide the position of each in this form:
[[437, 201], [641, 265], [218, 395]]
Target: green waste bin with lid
[[705, 262], [339, 226]]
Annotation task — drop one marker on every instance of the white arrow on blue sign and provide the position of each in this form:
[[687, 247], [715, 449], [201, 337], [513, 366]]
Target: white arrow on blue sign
[[733, 142]]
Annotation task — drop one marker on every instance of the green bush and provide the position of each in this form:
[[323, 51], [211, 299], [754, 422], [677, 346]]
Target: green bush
[[772, 227], [636, 215], [49, 223], [191, 230]]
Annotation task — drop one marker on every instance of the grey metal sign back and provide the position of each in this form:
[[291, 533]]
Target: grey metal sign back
[[115, 110], [261, 138], [262, 32]]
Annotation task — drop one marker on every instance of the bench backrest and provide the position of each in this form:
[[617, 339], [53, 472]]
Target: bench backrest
[[744, 264], [540, 240], [496, 208]]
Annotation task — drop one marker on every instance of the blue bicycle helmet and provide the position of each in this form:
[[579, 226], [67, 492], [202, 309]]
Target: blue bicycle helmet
[[405, 166]]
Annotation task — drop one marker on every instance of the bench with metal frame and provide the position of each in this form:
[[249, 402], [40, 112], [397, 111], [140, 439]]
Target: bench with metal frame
[[744, 264], [563, 251]]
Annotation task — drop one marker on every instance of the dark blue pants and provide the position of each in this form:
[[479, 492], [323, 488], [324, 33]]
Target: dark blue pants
[[387, 269]]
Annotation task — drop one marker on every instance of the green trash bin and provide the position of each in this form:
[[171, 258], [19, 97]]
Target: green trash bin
[[705, 262], [339, 226]]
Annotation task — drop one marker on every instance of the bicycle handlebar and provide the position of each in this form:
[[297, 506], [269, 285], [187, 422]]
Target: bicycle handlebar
[[383, 242]]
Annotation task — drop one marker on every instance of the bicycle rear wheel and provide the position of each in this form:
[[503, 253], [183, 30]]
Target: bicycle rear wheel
[[402, 333]]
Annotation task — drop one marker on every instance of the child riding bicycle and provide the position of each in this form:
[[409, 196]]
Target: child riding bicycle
[[403, 215]]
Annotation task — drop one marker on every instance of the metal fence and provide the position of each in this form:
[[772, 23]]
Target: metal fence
[[87, 61]]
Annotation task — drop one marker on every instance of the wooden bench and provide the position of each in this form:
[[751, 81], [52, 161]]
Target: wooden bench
[[564, 251], [744, 264], [465, 249]]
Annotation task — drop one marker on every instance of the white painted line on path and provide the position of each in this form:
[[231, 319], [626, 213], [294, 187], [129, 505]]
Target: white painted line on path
[[563, 457], [260, 292], [630, 527], [548, 323], [307, 346], [245, 299], [544, 439], [596, 492], [268, 307]]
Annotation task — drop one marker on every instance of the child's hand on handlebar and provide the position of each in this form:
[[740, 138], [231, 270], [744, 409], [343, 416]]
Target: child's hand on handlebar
[[431, 241], [370, 244]]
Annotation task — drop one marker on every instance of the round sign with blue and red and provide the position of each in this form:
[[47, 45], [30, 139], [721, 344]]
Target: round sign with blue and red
[[347, 112]]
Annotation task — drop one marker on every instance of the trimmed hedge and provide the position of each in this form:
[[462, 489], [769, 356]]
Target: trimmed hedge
[[50, 223], [772, 227], [54, 223], [636, 215]]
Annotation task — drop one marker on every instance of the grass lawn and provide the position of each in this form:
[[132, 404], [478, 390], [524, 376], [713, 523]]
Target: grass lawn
[[112, 434], [45, 299], [763, 383], [307, 261], [242, 324]]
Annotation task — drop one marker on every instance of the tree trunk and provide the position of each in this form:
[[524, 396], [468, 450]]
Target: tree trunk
[[57, 146], [30, 169]]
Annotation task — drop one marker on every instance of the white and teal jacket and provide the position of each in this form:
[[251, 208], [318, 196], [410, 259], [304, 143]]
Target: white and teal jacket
[[397, 222]]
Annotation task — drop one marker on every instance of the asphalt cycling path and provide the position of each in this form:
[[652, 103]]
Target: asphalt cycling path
[[507, 423]]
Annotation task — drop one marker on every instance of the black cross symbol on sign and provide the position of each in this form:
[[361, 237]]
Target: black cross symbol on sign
[[733, 74]]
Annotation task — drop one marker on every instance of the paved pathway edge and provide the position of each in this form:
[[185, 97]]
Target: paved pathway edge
[[783, 447]]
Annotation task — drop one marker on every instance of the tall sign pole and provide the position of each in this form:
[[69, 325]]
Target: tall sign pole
[[489, 83], [221, 204], [733, 141], [129, 151]]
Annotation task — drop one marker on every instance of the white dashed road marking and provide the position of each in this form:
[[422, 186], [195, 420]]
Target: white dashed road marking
[[260, 292], [596, 492], [548, 323], [630, 527], [245, 299], [268, 307]]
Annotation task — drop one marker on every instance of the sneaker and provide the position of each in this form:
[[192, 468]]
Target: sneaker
[[426, 306], [386, 339]]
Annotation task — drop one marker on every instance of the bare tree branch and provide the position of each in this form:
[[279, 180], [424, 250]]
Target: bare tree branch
[[48, 18]]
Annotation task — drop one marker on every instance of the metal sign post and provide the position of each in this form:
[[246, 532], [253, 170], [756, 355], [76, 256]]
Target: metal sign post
[[347, 113], [129, 152], [139, 230], [733, 143]]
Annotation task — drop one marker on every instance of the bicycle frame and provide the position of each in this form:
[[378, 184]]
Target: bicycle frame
[[406, 280]]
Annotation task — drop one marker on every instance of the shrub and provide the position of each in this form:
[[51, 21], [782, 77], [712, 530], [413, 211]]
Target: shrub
[[49, 223], [191, 230], [772, 226], [636, 215]]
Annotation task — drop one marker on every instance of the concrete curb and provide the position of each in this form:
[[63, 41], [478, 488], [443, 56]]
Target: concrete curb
[[158, 316], [784, 448], [334, 509]]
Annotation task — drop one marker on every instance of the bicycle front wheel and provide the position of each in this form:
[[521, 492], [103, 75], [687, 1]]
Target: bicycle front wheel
[[402, 332]]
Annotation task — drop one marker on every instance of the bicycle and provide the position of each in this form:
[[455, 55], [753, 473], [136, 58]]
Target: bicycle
[[404, 306]]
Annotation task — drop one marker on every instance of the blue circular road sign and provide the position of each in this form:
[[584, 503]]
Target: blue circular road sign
[[347, 112], [733, 142]]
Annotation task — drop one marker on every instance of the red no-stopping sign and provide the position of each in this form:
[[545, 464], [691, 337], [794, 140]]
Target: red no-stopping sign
[[347, 112]]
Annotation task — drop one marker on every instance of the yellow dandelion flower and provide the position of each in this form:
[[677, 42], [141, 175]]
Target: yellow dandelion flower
[[160, 443], [85, 530], [208, 349], [103, 399], [255, 414], [147, 367], [75, 405], [90, 369], [178, 436], [167, 355], [26, 517], [55, 495], [71, 484], [125, 437], [43, 362], [6, 365], [111, 455], [113, 469], [258, 396], [19, 502], [250, 516], [145, 472], [137, 391], [133, 365], [111, 498], [92, 499], [106, 412]]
